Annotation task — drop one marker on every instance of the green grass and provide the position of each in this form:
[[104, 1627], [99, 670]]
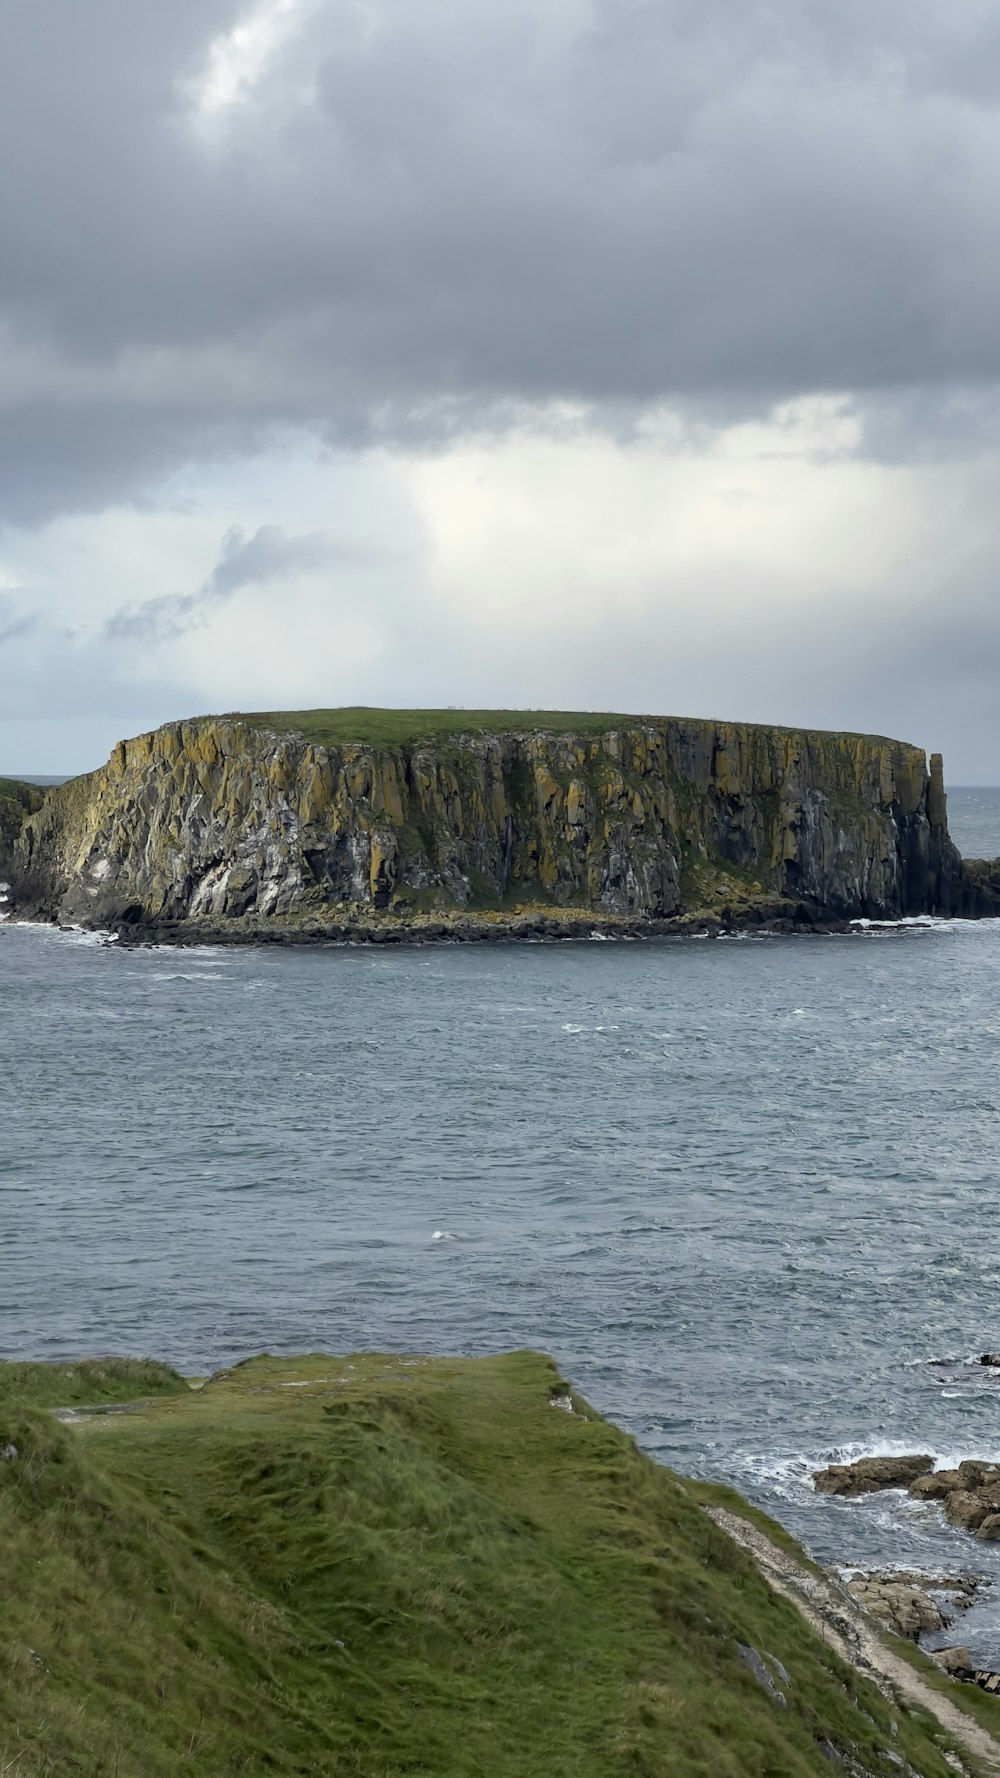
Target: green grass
[[380, 1566], [19, 798], [718, 1494], [369, 725], [983, 1707], [94, 1381], [374, 727]]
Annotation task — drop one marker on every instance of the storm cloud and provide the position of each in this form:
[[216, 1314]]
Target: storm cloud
[[580, 318], [380, 219]]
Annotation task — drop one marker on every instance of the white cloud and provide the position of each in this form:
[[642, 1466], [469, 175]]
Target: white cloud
[[762, 572], [532, 531], [238, 60]]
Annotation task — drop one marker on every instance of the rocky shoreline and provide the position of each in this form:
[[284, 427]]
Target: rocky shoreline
[[531, 926], [857, 1634], [970, 1494], [914, 1605]]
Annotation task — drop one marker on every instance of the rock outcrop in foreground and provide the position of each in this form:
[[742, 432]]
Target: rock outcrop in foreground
[[244, 819]]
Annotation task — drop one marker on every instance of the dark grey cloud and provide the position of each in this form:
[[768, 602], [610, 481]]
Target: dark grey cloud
[[421, 218], [267, 558]]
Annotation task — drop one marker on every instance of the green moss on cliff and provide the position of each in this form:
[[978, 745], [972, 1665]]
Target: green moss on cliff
[[17, 798], [387, 1566], [17, 801]]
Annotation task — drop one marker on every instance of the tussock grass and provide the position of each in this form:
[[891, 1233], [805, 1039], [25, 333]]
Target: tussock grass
[[93, 1381], [383, 1566]]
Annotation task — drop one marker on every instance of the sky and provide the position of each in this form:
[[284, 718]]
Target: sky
[[602, 354]]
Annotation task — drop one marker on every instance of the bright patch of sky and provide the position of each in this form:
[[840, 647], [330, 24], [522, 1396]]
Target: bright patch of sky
[[238, 59]]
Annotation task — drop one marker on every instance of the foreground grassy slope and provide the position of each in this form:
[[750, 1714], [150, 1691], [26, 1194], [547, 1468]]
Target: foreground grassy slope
[[96, 1381], [380, 1566]]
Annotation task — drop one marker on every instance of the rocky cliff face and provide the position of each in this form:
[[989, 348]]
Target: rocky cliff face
[[16, 802], [217, 819], [980, 887]]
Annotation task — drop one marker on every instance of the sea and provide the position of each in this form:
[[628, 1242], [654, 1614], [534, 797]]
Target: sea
[[744, 1190]]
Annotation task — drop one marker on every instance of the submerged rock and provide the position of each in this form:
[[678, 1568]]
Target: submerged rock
[[869, 1475]]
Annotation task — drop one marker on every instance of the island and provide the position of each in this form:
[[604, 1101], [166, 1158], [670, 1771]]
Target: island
[[392, 824]]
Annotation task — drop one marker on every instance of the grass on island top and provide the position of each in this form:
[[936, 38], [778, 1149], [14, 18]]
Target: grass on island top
[[396, 728], [381, 1566], [373, 727], [16, 790]]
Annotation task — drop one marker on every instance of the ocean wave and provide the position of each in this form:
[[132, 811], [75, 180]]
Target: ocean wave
[[790, 1477], [75, 935], [182, 975], [930, 923]]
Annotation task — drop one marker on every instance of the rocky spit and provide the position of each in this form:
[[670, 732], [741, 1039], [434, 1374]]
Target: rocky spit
[[912, 1604]]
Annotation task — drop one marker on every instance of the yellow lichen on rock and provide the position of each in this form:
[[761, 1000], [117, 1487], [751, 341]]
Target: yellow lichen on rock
[[220, 819]]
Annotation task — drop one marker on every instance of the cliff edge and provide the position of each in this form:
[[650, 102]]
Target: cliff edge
[[401, 1565], [287, 821]]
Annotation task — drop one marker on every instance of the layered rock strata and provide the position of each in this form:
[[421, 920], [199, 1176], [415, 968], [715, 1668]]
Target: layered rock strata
[[220, 820]]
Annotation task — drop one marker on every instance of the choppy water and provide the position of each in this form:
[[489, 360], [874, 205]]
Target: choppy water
[[745, 1191], [974, 820]]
